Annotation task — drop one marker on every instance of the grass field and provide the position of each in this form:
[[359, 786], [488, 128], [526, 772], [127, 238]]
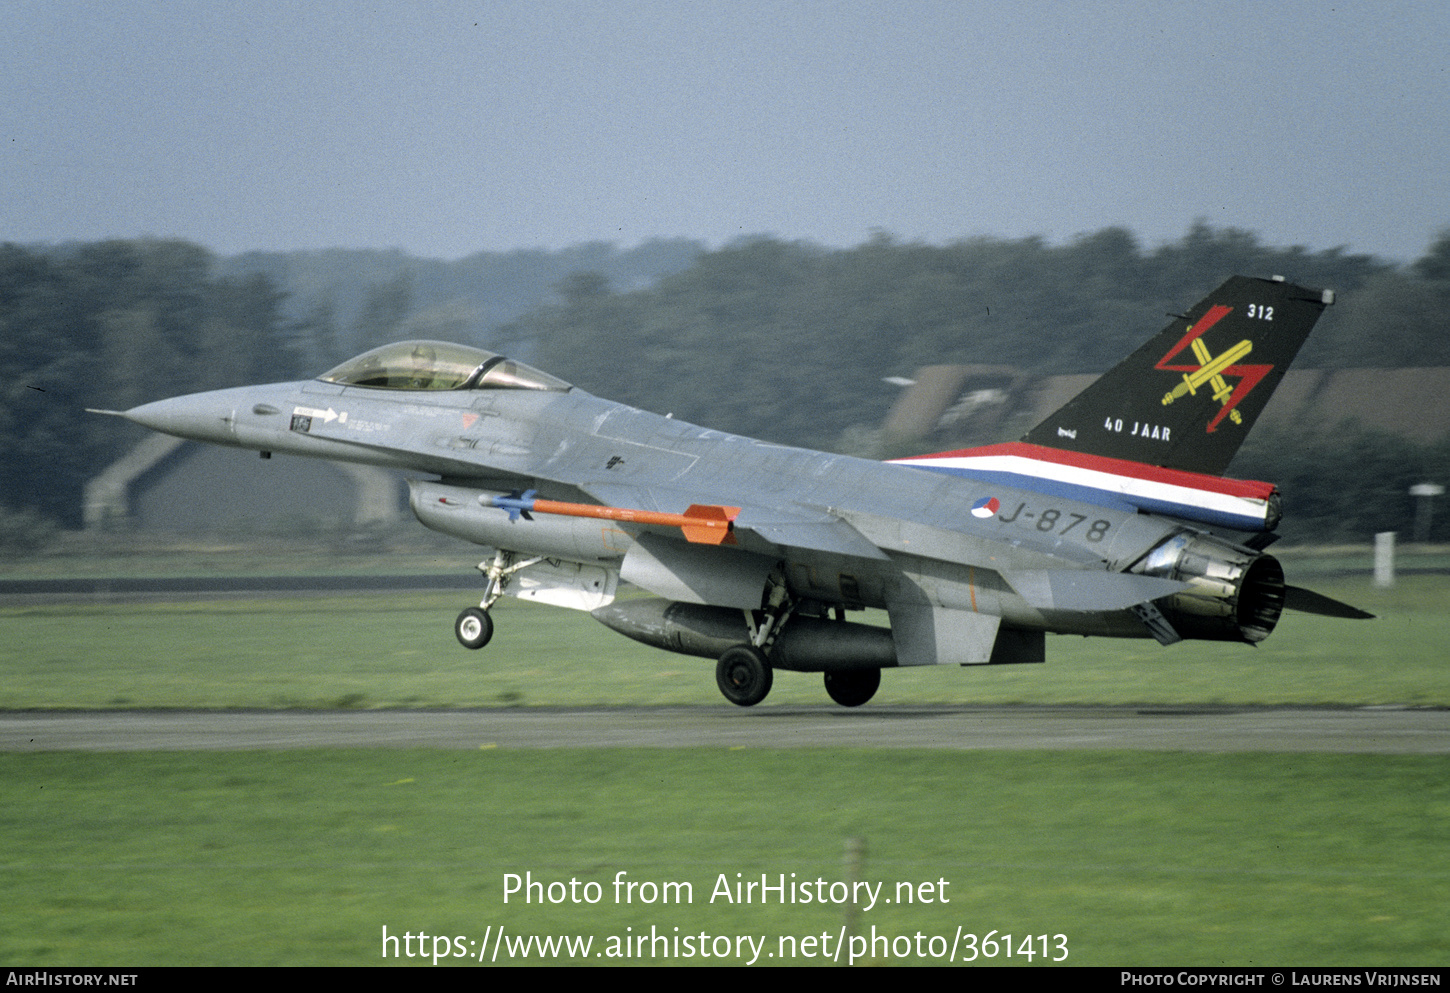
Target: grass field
[[304, 857], [398, 651]]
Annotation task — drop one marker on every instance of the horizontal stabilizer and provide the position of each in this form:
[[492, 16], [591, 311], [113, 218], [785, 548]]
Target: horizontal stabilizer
[[1309, 602]]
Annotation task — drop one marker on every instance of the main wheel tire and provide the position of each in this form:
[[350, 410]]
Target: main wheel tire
[[474, 627], [853, 687], [743, 675]]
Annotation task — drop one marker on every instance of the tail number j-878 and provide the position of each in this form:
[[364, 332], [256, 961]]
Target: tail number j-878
[[1049, 519]]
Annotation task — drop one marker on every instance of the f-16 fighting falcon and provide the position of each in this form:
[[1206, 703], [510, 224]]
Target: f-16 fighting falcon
[[1110, 518]]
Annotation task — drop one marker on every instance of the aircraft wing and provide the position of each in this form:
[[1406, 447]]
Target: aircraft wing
[[868, 536], [814, 532]]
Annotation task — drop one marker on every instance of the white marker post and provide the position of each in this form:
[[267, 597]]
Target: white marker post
[[1384, 559]]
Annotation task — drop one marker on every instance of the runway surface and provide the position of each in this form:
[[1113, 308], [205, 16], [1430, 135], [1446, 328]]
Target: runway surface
[[1368, 730]]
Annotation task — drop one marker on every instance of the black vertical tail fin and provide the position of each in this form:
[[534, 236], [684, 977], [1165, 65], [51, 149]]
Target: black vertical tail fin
[[1187, 398]]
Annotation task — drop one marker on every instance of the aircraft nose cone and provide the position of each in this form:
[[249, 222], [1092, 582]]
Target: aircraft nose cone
[[197, 416]]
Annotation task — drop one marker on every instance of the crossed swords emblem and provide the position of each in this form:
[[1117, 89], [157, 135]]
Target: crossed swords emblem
[[1213, 370], [1210, 371]]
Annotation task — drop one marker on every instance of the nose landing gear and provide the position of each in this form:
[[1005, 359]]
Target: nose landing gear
[[473, 627]]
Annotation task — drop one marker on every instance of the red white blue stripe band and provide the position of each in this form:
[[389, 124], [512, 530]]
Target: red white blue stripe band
[[1243, 505]]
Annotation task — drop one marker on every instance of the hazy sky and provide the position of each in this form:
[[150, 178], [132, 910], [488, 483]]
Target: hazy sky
[[446, 128]]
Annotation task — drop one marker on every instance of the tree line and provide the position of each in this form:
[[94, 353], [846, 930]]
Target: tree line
[[118, 323], [113, 325], [787, 341]]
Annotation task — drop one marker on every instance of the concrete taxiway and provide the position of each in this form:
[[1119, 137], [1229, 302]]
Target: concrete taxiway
[[1366, 730]]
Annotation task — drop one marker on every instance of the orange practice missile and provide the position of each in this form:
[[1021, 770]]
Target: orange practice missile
[[707, 524]]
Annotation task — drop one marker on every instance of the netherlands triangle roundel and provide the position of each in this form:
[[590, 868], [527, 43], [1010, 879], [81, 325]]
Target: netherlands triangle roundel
[[986, 507]]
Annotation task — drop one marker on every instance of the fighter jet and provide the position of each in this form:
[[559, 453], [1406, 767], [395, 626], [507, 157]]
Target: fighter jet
[[1110, 518]]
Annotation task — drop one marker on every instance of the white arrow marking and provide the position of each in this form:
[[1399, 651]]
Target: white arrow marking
[[328, 416]]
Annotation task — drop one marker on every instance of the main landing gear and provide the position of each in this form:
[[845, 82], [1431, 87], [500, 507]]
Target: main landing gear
[[853, 687], [744, 673]]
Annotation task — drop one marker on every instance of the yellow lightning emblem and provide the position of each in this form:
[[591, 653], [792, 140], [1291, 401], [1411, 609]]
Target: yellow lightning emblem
[[1210, 371]]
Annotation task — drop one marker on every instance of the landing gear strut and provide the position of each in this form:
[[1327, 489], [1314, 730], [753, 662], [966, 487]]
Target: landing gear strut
[[474, 627], [743, 672]]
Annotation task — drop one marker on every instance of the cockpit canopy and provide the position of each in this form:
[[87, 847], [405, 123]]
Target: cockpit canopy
[[439, 365]]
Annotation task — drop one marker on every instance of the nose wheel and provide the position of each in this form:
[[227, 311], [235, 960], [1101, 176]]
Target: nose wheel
[[474, 627]]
